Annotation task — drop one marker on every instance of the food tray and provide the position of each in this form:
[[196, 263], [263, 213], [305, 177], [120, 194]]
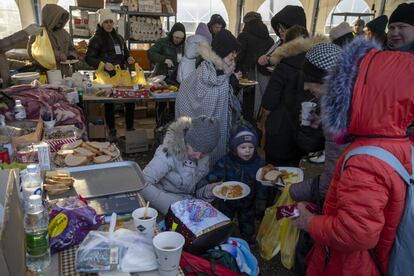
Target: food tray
[[104, 179], [295, 170], [59, 160]]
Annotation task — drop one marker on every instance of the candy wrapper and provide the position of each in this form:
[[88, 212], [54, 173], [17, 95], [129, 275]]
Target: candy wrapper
[[70, 220], [292, 211]]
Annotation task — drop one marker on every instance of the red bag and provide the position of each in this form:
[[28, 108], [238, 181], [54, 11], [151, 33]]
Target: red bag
[[193, 265]]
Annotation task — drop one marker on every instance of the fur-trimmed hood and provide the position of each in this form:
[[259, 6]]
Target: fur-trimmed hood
[[369, 93], [174, 142], [295, 47], [207, 53]]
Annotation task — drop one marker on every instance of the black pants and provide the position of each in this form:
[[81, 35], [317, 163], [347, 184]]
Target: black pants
[[164, 113], [110, 115]]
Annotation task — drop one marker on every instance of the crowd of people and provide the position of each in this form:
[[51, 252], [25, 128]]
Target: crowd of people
[[360, 80]]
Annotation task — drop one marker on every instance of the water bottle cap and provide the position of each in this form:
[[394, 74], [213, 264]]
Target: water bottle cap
[[31, 168], [35, 200], [18, 102]]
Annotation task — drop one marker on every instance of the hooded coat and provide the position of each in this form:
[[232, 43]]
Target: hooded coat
[[255, 41], [188, 62], [170, 176], [365, 201], [280, 99], [52, 16], [164, 49], [205, 92], [289, 16]]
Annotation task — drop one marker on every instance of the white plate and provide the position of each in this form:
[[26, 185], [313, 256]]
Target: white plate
[[248, 83], [171, 94], [245, 192], [26, 76], [70, 61], [295, 170]]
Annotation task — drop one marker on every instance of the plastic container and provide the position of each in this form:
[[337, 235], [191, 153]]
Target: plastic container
[[36, 221], [19, 110]]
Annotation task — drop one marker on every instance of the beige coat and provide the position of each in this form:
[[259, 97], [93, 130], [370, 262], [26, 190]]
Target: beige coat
[[54, 18]]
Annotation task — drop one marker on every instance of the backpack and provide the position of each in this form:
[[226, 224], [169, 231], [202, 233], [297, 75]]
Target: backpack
[[193, 265], [402, 253]]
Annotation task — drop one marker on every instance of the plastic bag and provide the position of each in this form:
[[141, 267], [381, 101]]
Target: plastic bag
[[42, 51], [70, 220], [103, 77], [278, 235], [120, 250], [124, 76], [139, 77]]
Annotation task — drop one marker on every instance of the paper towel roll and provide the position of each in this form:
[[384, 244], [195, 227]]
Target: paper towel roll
[[54, 77]]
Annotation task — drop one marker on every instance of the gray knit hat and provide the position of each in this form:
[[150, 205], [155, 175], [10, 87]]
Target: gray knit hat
[[203, 134]]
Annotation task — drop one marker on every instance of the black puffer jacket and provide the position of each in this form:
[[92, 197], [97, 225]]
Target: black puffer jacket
[[255, 41], [289, 16], [102, 48]]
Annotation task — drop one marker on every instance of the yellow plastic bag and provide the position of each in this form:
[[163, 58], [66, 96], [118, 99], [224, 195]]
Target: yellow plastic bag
[[42, 51], [276, 236], [124, 76], [139, 77], [102, 77]]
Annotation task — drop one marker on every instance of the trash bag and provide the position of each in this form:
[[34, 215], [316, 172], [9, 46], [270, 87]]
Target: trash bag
[[139, 75], [42, 51], [278, 235]]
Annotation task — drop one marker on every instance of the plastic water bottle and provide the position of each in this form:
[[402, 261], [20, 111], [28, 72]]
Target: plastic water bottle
[[36, 221], [31, 184], [19, 110]]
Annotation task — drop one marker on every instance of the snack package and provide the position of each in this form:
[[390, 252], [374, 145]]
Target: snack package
[[120, 250], [292, 211], [70, 220]]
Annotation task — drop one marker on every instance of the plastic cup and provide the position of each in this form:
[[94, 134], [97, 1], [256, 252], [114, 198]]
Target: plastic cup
[[307, 108], [145, 226], [168, 247]]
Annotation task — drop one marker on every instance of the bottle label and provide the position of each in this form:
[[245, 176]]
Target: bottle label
[[57, 225], [37, 243]]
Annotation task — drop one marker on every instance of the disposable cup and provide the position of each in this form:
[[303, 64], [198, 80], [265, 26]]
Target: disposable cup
[[307, 108], [168, 247], [145, 226]]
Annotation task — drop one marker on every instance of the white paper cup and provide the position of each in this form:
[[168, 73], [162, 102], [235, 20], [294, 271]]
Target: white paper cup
[[307, 108], [145, 227], [168, 247]]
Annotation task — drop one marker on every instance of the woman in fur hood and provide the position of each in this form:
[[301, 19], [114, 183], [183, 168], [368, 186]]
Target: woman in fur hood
[[180, 162], [209, 90], [281, 116]]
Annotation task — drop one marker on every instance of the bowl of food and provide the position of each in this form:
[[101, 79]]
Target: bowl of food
[[270, 175], [231, 190]]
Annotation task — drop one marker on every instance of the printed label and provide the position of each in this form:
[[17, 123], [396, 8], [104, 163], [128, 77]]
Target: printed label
[[57, 225]]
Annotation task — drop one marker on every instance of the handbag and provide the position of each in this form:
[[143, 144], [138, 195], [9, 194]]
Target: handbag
[[42, 51]]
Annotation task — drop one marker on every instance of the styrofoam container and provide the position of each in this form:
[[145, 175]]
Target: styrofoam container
[[295, 170]]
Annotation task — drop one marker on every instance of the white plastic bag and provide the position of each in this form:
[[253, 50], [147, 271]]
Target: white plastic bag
[[120, 250]]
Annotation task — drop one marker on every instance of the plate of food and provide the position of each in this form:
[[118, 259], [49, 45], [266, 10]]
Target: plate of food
[[81, 153], [231, 190], [246, 82], [279, 176]]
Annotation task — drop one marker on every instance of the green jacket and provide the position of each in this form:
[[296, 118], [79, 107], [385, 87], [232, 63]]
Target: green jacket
[[163, 49]]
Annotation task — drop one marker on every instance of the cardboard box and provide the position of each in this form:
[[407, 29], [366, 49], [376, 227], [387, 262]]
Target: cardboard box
[[91, 3], [96, 112], [12, 247], [134, 141], [96, 131]]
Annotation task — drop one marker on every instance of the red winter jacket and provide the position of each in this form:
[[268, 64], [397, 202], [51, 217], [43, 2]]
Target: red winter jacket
[[365, 202]]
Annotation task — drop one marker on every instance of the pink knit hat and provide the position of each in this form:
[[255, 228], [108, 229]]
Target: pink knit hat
[[203, 30]]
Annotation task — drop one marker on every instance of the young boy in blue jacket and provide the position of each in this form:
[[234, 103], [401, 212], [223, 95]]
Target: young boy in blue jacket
[[241, 164]]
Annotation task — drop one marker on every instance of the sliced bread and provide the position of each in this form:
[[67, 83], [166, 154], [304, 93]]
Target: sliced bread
[[75, 160], [73, 145], [102, 159], [84, 152], [99, 145], [272, 175]]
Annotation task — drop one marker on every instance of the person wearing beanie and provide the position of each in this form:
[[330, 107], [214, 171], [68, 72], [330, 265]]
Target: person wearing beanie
[[319, 61], [181, 162], [358, 27], [54, 19], [255, 41], [216, 24], [401, 28], [108, 47], [188, 62], [341, 34], [209, 90], [368, 102], [241, 164], [375, 29]]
